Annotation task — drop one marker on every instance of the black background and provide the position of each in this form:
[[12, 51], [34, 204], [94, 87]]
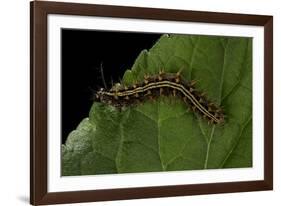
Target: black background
[[83, 52]]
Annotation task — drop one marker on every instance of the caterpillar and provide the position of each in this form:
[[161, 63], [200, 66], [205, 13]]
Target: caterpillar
[[167, 84]]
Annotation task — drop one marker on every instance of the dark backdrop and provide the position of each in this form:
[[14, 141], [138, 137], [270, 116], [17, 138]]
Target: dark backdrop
[[83, 52]]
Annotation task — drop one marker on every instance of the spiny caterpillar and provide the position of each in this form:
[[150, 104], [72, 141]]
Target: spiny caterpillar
[[167, 84]]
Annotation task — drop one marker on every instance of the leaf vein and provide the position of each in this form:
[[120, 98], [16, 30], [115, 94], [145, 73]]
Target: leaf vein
[[235, 145]]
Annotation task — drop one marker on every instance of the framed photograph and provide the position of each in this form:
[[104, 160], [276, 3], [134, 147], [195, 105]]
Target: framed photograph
[[131, 102]]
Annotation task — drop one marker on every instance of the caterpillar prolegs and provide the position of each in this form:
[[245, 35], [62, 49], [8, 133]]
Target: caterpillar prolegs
[[166, 84]]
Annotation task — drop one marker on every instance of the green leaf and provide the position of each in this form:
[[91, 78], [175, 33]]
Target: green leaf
[[166, 135]]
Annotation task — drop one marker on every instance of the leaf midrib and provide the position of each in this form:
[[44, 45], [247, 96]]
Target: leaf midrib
[[209, 140]]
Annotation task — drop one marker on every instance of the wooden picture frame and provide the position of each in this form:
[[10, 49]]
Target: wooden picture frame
[[39, 113]]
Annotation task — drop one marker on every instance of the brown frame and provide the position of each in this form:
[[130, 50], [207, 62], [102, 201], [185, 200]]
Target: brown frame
[[38, 107]]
